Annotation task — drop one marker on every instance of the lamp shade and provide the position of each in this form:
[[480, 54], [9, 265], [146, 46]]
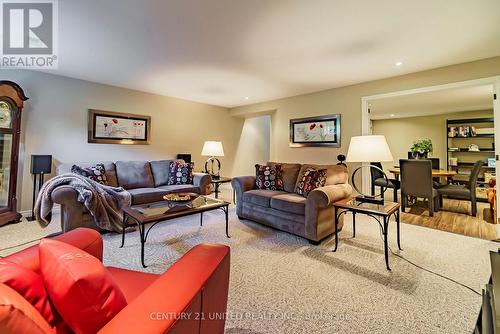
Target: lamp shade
[[212, 149], [369, 148]]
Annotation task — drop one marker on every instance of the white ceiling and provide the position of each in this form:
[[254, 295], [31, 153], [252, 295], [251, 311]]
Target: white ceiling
[[433, 103], [221, 51]]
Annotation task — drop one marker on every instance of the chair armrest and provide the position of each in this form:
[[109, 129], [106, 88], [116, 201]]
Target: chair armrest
[[323, 197], [65, 195], [197, 281], [203, 181], [86, 239]]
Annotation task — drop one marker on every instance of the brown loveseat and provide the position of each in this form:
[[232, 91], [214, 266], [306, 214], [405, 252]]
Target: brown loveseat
[[311, 217], [146, 181]]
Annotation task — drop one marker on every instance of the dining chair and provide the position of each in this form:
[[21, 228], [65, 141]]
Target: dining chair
[[378, 180], [416, 181], [463, 191], [434, 161]]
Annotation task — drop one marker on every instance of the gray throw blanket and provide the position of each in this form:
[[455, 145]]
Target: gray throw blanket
[[103, 202]]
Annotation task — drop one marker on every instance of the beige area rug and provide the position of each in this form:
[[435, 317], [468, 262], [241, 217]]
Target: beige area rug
[[281, 284]]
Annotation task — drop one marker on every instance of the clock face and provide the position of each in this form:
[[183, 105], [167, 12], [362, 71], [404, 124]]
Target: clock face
[[5, 115]]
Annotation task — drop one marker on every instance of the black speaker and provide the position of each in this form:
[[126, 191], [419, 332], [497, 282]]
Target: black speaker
[[41, 164], [186, 157]]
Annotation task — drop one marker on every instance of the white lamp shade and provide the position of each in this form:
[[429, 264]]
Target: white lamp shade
[[369, 148], [212, 149]]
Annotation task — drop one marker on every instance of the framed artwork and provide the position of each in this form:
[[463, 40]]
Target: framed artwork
[[107, 127], [315, 131]]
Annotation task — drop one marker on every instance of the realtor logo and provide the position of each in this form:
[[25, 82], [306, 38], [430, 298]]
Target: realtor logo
[[29, 34]]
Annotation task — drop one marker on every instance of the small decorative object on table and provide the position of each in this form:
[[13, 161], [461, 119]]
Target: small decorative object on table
[[372, 148], [421, 148], [213, 149], [180, 197]]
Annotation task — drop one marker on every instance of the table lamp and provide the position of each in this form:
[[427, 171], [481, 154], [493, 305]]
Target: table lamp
[[371, 148], [213, 149]]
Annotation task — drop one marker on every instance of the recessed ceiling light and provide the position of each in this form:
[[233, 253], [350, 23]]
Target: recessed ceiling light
[[399, 63], [246, 97], [392, 115]]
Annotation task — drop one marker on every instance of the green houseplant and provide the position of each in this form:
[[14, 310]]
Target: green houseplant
[[421, 148]]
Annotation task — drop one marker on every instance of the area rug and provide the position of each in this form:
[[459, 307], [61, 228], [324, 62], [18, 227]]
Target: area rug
[[282, 284]]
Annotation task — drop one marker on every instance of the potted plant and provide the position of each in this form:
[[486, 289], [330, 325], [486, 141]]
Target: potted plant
[[421, 148]]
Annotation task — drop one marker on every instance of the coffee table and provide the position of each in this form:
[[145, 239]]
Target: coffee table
[[376, 211], [154, 213]]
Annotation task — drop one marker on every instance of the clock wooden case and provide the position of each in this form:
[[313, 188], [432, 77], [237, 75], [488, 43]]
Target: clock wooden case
[[11, 105]]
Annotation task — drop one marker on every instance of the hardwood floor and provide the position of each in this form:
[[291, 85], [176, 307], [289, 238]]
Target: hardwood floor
[[454, 217]]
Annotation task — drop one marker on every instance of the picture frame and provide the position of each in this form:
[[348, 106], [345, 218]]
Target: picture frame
[[315, 131], [109, 127]]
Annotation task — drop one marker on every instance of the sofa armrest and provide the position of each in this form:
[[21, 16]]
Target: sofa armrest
[[243, 183], [83, 238], [71, 209], [203, 181], [325, 196], [193, 290]]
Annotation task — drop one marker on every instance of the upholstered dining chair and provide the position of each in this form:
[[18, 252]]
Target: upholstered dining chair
[[416, 180], [464, 192], [378, 180]]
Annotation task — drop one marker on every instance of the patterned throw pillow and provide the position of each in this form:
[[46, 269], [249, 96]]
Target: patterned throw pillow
[[310, 180], [180, 173], [96, 173], [268, 177]]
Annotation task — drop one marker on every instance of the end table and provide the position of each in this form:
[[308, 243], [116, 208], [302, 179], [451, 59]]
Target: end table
[[376, 211], [218, 182]]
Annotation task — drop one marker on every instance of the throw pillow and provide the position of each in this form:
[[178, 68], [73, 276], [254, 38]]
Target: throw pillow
[[180, 173], [96, 173], [310, 180], [268, 177], [80, 287], [29, 285]]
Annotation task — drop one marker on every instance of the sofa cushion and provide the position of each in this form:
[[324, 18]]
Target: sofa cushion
[[310, 180], [335, 174], [134, 174], [146, 195], [29, 285], [109, 168], [96, 173], [260, 196], [17, 315], [132, 283], [180, 173], [289, 173], [160, 170], [268, 177], [80, 287], [292, 203]]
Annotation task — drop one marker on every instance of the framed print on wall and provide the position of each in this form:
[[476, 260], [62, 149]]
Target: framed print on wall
[[315, 131], [107, 127]]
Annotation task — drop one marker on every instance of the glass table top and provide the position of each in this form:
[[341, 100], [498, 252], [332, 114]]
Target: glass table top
[[166, 207]]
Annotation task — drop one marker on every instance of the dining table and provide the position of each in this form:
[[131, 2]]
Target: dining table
[[436, 173]]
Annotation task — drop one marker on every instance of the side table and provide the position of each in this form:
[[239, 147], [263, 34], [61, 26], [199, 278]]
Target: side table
[[218, 182], [376, 211]]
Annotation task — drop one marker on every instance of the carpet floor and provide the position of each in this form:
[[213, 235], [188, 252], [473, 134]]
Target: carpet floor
[[281, 284]]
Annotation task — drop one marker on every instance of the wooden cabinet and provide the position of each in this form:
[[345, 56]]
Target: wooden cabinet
[[11, 105]]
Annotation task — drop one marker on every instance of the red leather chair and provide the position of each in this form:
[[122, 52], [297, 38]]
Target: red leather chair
[[190, 297]]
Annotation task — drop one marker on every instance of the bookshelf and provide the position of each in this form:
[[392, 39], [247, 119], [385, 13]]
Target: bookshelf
[[460, 133]]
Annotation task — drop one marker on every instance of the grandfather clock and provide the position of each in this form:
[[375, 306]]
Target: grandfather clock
[[11, 104]]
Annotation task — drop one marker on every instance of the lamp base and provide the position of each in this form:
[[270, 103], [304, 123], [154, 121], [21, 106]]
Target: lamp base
[[372, 200], [213, 172]]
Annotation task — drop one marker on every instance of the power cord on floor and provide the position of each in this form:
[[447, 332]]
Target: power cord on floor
[[428, 270]]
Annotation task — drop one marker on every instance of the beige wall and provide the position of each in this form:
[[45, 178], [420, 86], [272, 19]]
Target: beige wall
[[402, 132], [253, 145], [347, 101], [55, 122]]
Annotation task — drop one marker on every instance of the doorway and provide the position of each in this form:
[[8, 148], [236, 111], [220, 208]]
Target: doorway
[[406, 116]]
